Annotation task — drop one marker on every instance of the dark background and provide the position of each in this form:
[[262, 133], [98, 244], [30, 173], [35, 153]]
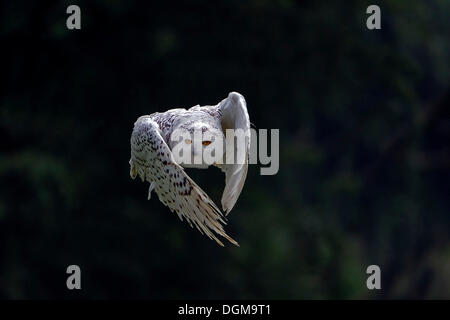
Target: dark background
[[364, 148]]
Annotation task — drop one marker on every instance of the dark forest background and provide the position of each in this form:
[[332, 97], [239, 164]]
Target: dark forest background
[[364, 148]]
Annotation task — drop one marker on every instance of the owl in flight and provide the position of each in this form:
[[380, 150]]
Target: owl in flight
[[153, 159]]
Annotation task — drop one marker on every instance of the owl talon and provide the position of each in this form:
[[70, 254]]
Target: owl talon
[[150, 189], [133, 172]]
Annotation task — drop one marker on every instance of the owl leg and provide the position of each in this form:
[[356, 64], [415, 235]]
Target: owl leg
[[133, 171], [150, 189]]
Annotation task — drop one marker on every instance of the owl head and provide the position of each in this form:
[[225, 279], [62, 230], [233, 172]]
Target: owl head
[[197, 144]]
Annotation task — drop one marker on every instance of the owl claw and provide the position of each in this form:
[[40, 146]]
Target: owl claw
[[150, 189], [133, 172]]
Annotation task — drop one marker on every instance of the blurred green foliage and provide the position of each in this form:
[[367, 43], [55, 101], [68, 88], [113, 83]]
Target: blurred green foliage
[[364, 148]]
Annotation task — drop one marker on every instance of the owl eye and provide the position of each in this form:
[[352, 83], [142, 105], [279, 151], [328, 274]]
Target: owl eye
[[188, 141], [206, 143]]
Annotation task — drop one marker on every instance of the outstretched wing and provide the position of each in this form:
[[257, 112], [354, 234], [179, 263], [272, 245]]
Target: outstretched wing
[[153, 161], [235, 116]]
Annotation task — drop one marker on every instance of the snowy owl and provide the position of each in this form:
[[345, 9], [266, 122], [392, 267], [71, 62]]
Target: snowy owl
[[153, 159]]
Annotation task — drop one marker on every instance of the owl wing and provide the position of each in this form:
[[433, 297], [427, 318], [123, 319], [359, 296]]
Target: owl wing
[[234, 115], [153, 161]]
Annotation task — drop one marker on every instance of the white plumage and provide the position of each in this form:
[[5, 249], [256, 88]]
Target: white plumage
[[152, 159]]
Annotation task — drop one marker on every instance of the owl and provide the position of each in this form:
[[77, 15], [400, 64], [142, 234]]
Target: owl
[[155, 138]]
